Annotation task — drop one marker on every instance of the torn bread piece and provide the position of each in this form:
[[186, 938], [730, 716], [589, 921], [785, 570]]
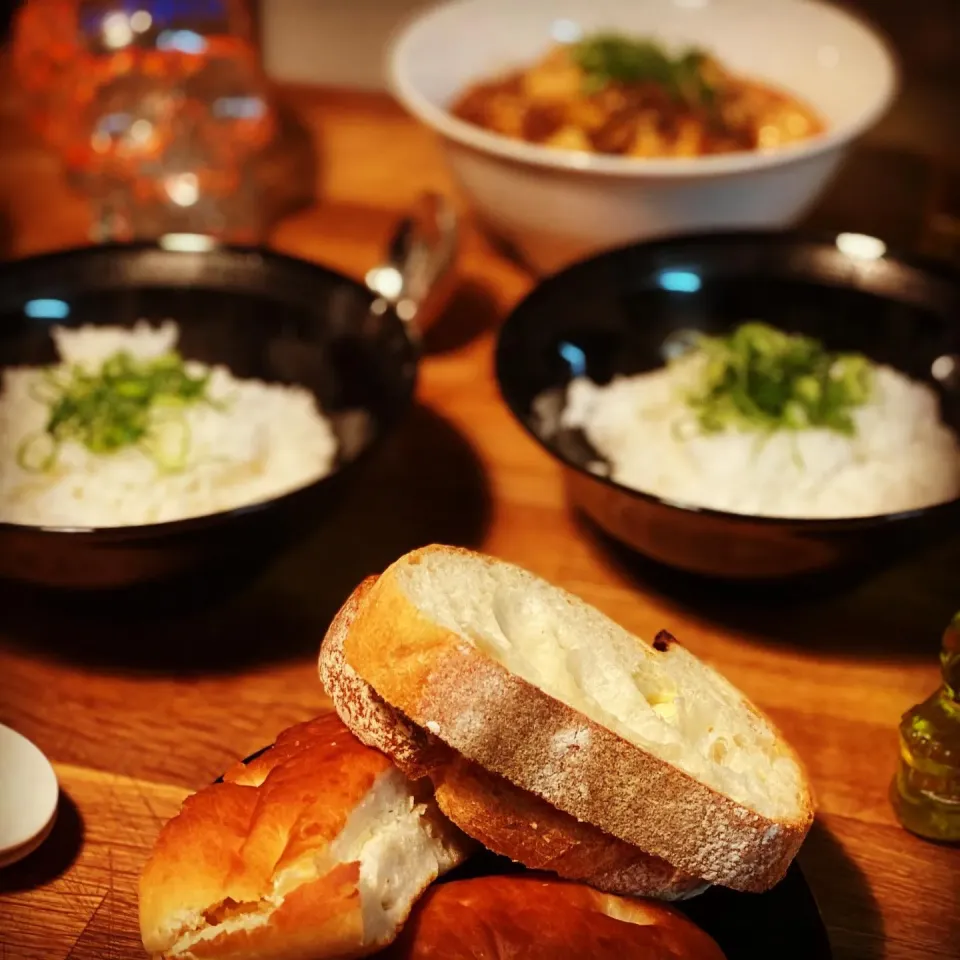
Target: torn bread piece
[[317, 848], [639, 739], [538, 918], [504, 818]]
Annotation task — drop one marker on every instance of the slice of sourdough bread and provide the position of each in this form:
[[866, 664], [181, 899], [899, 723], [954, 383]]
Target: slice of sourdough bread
[[506, 819], [639, 739]]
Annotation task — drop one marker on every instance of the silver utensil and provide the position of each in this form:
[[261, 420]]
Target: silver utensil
[[419, 274]]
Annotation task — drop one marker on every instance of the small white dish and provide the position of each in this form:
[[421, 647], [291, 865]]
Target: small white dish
[[28, 797], [555, 206]]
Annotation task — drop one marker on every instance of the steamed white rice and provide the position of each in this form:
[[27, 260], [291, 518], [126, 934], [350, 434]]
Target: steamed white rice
[[901, 457], [267, 440]]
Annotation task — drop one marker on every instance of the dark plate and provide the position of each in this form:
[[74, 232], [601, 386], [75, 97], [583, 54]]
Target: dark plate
[[612, 314], [263, 315], [784, 923]]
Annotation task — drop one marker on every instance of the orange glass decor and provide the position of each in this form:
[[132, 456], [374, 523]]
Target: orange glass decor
[[136, 96], [46, 56]]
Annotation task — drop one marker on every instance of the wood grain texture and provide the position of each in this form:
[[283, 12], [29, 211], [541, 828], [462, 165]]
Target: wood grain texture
[[137, 708]]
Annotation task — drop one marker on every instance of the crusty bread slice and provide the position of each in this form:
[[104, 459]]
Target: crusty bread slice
[[368, 717], [639, 739], [504, 818], [538, 918], [318, 848]]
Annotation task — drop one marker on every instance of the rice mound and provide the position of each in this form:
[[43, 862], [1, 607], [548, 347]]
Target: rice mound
[[262, 440], [902, 457]]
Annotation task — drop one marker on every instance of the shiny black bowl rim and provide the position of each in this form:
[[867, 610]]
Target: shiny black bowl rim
[[941, 271], [198, 524]]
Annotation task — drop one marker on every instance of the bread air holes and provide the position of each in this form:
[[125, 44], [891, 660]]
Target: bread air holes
[[663, 703], [720, 748], [389, 895]]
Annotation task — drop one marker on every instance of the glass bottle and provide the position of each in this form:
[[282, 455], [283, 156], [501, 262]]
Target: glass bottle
[[926, 791]]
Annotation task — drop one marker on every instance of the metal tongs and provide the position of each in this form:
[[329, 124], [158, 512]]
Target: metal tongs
[[419, 274]]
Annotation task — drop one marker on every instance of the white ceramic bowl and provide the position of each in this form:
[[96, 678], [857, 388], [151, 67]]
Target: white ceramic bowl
[[556, 206]]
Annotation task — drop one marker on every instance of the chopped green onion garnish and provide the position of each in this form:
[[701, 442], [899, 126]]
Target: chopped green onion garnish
[[762, 379], [127, 402], [37, 453], [609, 58]]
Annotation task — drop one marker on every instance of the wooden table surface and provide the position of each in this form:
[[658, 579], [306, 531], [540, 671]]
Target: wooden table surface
[[136, 711]]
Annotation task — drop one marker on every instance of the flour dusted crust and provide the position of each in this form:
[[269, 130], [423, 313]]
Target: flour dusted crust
[[445, 685], [370, 719], [517, 824], [504, 818]]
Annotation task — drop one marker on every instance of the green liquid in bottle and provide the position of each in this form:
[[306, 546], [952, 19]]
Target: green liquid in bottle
[[926, 791]]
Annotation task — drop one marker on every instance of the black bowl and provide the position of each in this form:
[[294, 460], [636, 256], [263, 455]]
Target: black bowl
[[263, 315], [612, 315]]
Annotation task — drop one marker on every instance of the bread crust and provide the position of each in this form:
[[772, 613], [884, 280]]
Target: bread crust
[[545, 919], [214, 865], [369, 718], [517, 824], [504, 818], [448, 687], [324, 914]]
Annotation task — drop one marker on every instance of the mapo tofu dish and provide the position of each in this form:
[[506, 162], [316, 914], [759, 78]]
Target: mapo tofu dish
[[613, 95]]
